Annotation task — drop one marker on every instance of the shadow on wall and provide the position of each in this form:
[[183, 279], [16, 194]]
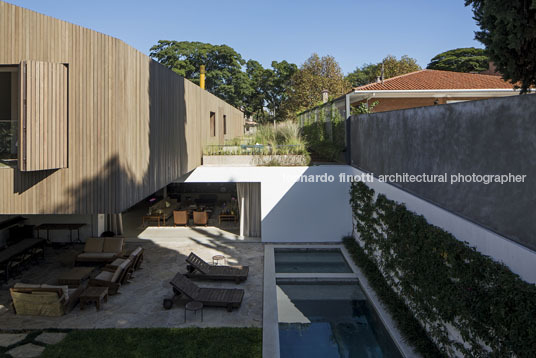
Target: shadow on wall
[[315, 211], [486, 137], [154, 153]]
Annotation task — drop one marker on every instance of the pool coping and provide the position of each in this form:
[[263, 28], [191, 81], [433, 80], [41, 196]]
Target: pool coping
[[270, 345]]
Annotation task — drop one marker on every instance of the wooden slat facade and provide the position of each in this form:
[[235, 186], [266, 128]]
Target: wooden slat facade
[[43, 122], [133, 125]]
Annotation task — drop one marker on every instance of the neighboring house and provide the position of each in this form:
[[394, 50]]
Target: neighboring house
[[419, 89], [430, 87], [90, 125]]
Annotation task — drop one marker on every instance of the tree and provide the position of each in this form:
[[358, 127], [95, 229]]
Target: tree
[[277, 87], [223, 64], [314, 76], [508, 30], [460, 60], [392, 67]]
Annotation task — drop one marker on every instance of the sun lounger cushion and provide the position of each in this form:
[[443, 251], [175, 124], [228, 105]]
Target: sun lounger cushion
[[113, 245], [135, 252], [105, 276], [94, 244]]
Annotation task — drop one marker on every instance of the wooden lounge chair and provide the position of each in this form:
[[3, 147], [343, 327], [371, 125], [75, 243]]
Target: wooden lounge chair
[[200, 218], [211, 297], [199, 268], [112, 279], [180, 218]]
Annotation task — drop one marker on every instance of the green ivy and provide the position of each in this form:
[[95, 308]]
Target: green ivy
[[316, 132], [445, 282]]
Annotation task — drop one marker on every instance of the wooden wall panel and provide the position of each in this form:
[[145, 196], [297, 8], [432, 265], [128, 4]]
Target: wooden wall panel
[[44, 120], [134, 126]]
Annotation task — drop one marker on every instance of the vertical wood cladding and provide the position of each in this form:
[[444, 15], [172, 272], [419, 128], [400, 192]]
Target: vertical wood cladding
[[133, 125]]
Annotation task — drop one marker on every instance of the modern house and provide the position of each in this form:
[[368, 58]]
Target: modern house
[[90, 125]]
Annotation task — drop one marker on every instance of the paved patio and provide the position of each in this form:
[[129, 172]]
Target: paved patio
[[139, 303]]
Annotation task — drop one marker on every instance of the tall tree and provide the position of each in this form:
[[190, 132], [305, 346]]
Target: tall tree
[[468, 59], [223, 64], [508, 30], [391, 67], [277, 88], [314, 76]]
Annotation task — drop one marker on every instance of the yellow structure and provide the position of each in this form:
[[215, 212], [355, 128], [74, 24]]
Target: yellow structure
[[202, 76]]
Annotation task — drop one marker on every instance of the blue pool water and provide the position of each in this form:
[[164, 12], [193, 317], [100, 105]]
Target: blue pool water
[[329, 320], [310, 261]]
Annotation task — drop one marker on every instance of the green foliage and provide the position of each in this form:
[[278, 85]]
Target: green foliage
[[508, 30], [392, 67], [268, 140], [461, 60], [314, 76], [410, 328], [160, 342], [445, 282], [258, 92], [364, 108], [324, 130], [224, 76]]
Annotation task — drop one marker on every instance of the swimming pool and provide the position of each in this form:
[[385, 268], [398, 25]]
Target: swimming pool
[[329, 319], [308, 260]]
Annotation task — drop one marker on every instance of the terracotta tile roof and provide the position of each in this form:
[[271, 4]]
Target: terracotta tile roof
[[438, 80]]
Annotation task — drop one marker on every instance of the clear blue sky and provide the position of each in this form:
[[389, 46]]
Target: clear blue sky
[[353, 31]]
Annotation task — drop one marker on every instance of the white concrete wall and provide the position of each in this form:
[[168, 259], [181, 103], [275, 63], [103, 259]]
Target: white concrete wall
[[290, 211], [320, 212]]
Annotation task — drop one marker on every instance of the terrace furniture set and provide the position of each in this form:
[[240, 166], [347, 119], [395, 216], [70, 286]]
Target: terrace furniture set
[[84, 284], [229, 298]]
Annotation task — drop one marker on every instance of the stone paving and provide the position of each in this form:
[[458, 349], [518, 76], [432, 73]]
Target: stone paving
[[139, 303], [28, 350]]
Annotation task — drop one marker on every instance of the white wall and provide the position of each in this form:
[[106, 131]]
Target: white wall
[[290, 211], [320, 212]]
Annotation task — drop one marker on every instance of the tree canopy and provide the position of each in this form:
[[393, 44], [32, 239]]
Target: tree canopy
[[468, 59], [508, 30], [314, 76], [392, 67], [223, 64], [257, 91]]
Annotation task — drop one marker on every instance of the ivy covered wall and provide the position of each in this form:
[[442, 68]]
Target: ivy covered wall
[[469, 304]]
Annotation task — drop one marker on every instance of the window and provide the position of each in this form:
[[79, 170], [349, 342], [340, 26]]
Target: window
[[9, 108], [224, 124], [212, 124]]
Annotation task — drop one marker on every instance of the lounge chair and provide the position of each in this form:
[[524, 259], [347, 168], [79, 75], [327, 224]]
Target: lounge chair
[[229, 298], [112, 279], [200, 218], [180, 218], [199, 268]]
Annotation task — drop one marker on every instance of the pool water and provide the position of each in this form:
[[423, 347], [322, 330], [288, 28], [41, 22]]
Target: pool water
[[310, 261], [329, 320]]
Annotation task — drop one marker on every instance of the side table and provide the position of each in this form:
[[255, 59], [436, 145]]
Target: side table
[[94, 294], [193, 306]]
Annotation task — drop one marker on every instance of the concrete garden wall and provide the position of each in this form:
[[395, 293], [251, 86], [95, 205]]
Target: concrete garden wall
[[496, 136]]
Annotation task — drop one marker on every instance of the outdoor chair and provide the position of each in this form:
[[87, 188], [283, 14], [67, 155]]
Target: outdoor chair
[[200, 269], [229, 298], [200, 218], [180, 218], [112, 279]]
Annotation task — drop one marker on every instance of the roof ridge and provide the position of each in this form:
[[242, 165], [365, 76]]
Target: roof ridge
[[392, 78]]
